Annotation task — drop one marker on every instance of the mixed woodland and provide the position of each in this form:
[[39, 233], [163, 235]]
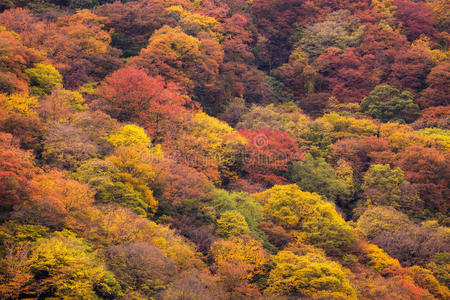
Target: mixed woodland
[[224, 149]]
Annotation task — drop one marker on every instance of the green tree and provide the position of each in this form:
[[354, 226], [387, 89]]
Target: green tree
[[317, 176], [239, 201], [388, 104], [140, 267], [385, 186]]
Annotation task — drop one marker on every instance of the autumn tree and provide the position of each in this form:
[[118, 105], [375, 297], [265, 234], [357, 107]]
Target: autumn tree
[[277, 21], [130, 135], [231, 223], [180, 57], [19, 104], [233, 111], [209, 145], [129, 94], [269, 152], [344, 127], [346, 74], [379, 260], [414, 244], [437, 91], [437, 116], [15, 271], [17, 168], [425, 279], [438, 265], [194, 283], [295, 210], [19, 116], [78, 46], [177, 183], [380, 46], [410, 68], [27, 129], [15, 59], [63, 266], [57, 202], [61, 105], [274, 117], [310, 275], [340, 29], [133, 23], [124, 178], [381, 219], [97, 125], [416, 18], [120, 225], [427, 169], [361, 153], [43, 78], [385, 186], [244, 255], [66, 146], [140, 267]]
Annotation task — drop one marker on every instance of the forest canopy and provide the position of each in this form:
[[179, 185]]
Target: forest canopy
[[198, 149]]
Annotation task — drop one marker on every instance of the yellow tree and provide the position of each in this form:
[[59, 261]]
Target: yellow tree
[[133, 171], [244, 253], [378, 259], [344, 127], [385, 7], [311, 275], [67, 269], [181, 57], [195, 24], [86, 29], [231, 223], [130, 135], [309, 214], [20, 104], [211, 146]]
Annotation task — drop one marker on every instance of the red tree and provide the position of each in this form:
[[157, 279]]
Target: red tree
[[362, 152], [437, 116], [416, 18], [429, 171], [16, 171], [410, 69], [348, 75], [268, 154], [130, 95], [438, 90]]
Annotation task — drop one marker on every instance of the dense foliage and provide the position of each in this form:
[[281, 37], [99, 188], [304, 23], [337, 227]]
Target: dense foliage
[[198, 149]]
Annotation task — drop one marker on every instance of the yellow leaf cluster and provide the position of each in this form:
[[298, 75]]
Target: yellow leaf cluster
[[20, 104]]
